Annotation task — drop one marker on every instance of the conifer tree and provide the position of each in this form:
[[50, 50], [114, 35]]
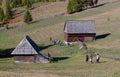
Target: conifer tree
[[75, 5], [91, 2], [28, 4], [24, 2], [4, 5], [70, 7], [27, 17], [79, 5], [8, 14], [96, 1], [14, 3], [7, 9], [1, 14]]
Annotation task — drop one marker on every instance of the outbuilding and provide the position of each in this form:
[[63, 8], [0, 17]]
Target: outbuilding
[[28, 51], [82, 30]]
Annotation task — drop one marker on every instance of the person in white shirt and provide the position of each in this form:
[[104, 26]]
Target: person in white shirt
[[97, 58]]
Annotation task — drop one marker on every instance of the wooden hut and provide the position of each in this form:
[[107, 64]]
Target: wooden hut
[[83, 30], [28, 51]]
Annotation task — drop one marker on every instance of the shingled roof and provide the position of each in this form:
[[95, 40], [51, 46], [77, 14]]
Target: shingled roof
[[80, 26], [26, 47]]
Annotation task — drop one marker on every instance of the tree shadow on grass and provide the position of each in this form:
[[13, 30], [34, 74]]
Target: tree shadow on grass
[[6, 53], [102, 36], [56, 59], [99, 5], [95, 6]]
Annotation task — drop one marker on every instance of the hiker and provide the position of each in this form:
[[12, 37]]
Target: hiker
[[97, 58], [58, 42], [51, 39], [54, 41], [87, 58], [84, 46], [49, 57], [68, 44], [91, 57]]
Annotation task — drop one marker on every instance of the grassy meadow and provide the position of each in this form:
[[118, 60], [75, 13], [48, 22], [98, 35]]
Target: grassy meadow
[[71, 62]]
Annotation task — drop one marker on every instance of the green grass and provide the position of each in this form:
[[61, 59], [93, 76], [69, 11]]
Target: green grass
[[6, 38], [75, 65]]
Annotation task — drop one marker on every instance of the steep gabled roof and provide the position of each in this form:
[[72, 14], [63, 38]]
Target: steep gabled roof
[[26, 47], [80, 26]]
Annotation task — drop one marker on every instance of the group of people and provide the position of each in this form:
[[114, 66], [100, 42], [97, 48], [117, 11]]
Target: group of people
[[90, 58], [56, 41]]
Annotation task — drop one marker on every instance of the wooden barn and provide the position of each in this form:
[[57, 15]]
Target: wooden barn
[[83, 30], [28, 51]]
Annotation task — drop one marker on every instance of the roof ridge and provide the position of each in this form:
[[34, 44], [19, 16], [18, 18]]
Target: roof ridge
[[27, 37], [80, 26], [28, 44]]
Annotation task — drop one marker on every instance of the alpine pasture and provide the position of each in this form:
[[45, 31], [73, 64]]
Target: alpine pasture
[[71, 61]]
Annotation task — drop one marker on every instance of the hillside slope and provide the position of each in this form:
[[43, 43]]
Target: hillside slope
[[71, 61]]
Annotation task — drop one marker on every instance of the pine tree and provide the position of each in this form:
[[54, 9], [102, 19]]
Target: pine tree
[[70, 7], [91, 2], [7, 26], [4, 5], [80, 5], [75, 5], [96, 1], [24, 2], [19, 2], [14, 3], [7, 9], [8, 14], [86, 4], [27, 17], [29, 4], [1, 14]]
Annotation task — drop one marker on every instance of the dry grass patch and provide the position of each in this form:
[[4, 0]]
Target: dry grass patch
[[25, 74]]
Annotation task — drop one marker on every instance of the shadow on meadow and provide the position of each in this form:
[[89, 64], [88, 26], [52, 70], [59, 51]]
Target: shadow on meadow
[[102, 36], [6, 53], [56, 59], [45, 47], [99, 5], [95, 6]]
